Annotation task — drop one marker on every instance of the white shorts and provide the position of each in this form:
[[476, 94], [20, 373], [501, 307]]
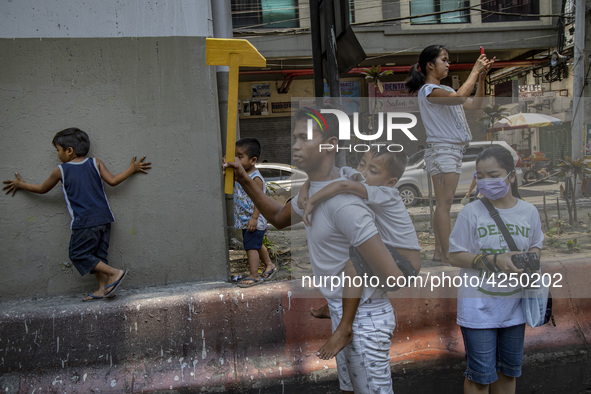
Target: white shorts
[[364, 365], [443, 158]]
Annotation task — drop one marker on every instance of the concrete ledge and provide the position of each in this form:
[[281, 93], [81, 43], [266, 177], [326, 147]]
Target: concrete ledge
[[216, 337]]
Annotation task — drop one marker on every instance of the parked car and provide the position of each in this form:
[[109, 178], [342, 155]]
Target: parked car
[[283, 181], [413, 184]]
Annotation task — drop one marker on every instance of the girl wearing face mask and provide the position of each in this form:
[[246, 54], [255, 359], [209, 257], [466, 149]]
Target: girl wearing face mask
[[489, 313]]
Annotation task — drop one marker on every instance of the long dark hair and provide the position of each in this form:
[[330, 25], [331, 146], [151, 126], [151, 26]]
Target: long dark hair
[[418, 72], [505, 160]]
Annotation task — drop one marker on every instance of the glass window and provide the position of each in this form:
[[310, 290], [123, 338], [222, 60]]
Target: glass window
[[510, 10], [270, 174], [445, 11], [415, 158], [471, 153], [265, 14]]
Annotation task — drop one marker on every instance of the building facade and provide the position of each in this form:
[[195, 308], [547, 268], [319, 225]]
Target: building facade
[[522, 35]]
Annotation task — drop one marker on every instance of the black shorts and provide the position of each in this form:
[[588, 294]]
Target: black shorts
[[88, 247]]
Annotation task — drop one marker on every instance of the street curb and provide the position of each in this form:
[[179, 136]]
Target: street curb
[[217, 337]]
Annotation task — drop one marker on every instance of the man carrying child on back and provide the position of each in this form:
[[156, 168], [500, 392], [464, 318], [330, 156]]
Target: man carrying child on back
[[373, 181], [338, 223]]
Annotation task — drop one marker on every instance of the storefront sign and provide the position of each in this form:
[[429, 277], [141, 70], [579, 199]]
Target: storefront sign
[[394, 98], [260, 90], [349, 96], [282, 107]]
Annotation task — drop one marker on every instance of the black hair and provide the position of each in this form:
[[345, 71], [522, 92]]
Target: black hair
[[395, 161], [505, 160], [418, 72], [329, 125], [251, 145], [73, 138]]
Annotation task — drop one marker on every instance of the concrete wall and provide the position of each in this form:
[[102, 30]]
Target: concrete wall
[[134, 96], [105, 18]]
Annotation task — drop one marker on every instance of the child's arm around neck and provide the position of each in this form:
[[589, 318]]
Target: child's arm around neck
[[330, 191]]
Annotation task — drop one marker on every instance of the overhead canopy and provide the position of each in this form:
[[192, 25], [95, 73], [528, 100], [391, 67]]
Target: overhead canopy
[[525, 121]]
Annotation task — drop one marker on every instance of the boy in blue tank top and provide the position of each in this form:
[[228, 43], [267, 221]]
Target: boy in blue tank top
[[82, 181]]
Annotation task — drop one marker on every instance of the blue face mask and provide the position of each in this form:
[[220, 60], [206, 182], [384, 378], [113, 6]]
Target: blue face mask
[[493, 188]]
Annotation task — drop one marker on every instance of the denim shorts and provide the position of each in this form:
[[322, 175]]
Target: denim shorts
[[88, 247], [492, 350], [443, 158], [253, 240]]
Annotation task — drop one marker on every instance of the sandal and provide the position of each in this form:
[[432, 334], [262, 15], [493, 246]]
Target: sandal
[[254, 282], [92, 298], [266, 275]]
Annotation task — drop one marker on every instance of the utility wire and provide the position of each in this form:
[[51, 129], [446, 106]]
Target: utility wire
[[402, 18]]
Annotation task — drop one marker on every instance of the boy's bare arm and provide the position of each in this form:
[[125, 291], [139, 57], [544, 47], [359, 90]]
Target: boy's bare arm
[[278, 215], [18, 183], [253, 221], [373, 250], [330, 191], [412, 255], [114, 180], [304, 194]]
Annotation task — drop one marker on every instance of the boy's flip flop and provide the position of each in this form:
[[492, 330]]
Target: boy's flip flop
[[269, 274], [115, 285], [92, 298], [253, 281]]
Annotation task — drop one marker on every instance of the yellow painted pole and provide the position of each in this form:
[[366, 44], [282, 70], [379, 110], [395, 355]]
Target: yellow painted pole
[[233, 53], [232, 118]]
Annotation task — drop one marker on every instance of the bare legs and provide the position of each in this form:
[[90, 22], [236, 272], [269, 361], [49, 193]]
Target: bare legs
[[504, 385], [264, 255], [343, 335], [321, 313], [444, 186], [254, 257], [105, 275]]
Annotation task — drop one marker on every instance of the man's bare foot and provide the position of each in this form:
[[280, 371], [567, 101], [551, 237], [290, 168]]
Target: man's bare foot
[[339, 339], [321, 313]]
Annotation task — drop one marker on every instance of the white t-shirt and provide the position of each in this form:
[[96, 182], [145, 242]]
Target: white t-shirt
[[337, 223], [475, 231], [392, 219], [443, 123]]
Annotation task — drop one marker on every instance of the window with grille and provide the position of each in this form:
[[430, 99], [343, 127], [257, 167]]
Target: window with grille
[[265, 14], [510, 10], [439, 11]]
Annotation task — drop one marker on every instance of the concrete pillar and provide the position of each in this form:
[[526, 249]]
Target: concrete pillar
[[221, 11]]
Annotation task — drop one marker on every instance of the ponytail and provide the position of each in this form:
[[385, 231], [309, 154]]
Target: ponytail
[[515, 188], [418, 72], [415, 79]]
